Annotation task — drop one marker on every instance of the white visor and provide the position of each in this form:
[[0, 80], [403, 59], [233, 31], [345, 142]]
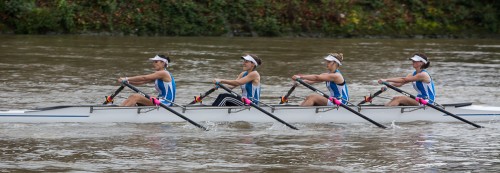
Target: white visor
[[332, 58], [418, 58], [250, 58], [158, 58]]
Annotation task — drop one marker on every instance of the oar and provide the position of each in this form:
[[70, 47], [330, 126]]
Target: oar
[[249, 102], [369, 98], [284, 99], [109, 99], [424, 102], [157, 102], [338, 102], [198, 99]]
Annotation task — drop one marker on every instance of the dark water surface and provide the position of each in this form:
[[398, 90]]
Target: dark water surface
[[39, 71]]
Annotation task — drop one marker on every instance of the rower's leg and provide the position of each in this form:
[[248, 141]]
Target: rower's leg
[[402, 100], [134, 99], [314, 100], [227, 99]]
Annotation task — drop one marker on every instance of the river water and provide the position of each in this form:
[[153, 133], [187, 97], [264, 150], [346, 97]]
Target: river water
[[39, 71]]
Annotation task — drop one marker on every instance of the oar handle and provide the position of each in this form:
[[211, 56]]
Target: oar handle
[[369, 98], [422, 101], [109, 99], [247, 101], [164, 106], [338, 102], [199, 98]]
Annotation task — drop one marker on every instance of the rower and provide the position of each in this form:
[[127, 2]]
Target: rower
[[334, 80], [421, 80], [164, 83], [249, 80]]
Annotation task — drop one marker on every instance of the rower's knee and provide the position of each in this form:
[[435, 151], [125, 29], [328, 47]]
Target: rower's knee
[[395, 101], [309, 97], [398, 98], [135, 96], [308, 101]]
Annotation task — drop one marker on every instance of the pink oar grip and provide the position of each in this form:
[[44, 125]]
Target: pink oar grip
[[335, 101], [246, 101], [421, 101], [155, 101]]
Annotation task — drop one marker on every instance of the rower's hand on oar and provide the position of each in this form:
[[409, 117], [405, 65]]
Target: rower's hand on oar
[[122, 79], [380, 81], [216, 82]]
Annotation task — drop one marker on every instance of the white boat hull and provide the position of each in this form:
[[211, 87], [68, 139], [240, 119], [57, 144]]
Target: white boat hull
[[290, 114]]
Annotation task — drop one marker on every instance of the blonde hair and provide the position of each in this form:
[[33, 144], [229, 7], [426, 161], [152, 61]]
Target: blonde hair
[[339, 56]]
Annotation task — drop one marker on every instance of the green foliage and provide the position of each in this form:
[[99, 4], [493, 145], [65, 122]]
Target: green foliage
[[37, 21], [66, 13], [331, 18]]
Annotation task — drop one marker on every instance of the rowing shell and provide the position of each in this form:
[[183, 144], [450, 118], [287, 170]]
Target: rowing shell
[[288, 113]]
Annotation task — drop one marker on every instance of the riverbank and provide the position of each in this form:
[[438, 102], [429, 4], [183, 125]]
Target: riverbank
[[326, 19]]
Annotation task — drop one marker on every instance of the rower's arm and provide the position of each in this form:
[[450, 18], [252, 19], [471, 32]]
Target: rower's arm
[[309, 81], [397, 81], [241, 80], [143, 79], [321, 77]]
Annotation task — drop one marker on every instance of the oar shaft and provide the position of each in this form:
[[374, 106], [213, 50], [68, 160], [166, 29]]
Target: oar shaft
[[431, 105], [273, 116], [204, 95], [113, 95], [165, 106], [373, 96], [363, 116], [399, 90], [453, 115], [290, 91], [258, 107], [288, 94], [341, 104], [312, 88]]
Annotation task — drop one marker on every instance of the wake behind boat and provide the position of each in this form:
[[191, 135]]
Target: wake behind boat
[[288, 113]]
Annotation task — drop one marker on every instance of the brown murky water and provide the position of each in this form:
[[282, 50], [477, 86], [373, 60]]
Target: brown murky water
[[38, 71]]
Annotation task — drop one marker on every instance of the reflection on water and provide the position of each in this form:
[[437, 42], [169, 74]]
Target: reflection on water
[[39, 71], [320, 147]]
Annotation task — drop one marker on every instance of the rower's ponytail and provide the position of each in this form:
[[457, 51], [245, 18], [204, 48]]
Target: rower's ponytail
[[257, 59]]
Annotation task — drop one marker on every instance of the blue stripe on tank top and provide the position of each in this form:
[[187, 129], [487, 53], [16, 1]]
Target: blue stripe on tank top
[[424, 90], [338, 91]]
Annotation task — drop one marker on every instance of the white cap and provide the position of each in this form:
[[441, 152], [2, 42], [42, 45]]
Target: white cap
[[250, 58], [332, 58], [418, 58], [158, 58]]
